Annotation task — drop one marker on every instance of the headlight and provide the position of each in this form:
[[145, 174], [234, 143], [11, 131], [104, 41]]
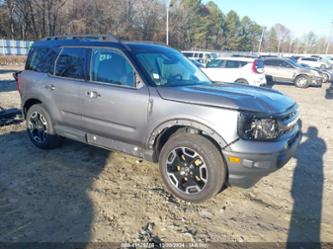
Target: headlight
[[251, 127]]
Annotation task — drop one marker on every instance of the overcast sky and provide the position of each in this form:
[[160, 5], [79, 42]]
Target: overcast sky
[[300, 16]]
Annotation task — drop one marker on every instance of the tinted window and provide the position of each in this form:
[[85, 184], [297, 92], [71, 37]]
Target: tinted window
[[111, 67], [285, 64], [232, 64], [41, 59], [309, 59], [273, 63], [72, 63], [188, 54], [215, 63]]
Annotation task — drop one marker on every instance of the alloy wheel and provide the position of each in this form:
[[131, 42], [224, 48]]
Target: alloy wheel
[[187, 170], [37, 126]]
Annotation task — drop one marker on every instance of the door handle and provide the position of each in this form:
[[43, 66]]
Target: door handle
[[50, 87], [92, 94]]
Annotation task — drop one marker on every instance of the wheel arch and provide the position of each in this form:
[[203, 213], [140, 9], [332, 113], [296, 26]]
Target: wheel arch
[[160, 135], [242, 80], [301, 74], [28, 103]]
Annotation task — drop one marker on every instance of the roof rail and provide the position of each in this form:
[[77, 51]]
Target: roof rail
[[107, 37]]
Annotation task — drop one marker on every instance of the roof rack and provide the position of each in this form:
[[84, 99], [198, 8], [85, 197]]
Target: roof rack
[[107, 37]]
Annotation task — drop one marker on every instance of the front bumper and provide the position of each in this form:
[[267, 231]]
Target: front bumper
[[317, 81], [253, 166]]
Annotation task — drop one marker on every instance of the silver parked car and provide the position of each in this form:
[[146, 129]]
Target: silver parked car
[[149, 101], [285, 70]]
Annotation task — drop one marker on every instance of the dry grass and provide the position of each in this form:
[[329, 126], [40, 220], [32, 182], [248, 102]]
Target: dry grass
[[12, 60]]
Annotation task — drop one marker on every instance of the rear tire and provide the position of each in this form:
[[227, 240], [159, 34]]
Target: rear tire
[[192, 167], [302, 81], [40, 128], [242, 81]]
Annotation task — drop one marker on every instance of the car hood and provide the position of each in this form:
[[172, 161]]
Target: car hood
[[231, 96]]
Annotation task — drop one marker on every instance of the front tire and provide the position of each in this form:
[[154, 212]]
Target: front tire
[[302, 81], [192, 167], [326, 78], [40, 128]]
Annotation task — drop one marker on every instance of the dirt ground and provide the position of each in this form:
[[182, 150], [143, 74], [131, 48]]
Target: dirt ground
[[81, 193]]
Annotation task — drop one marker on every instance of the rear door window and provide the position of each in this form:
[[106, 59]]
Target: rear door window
[[216, 64], [232, 64], [273, 63], [109, 66], [72, 63]]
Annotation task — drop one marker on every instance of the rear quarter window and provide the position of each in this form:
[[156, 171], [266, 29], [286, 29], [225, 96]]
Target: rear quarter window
[[41, 59], [72, 63]]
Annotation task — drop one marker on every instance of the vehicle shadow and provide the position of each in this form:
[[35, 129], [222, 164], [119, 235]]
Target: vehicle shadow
[[307, 191], [44, 194], [271, 84], [329, 92], [8, 85]]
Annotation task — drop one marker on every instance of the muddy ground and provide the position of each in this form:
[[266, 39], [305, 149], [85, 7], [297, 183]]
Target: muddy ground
[[81, 193]]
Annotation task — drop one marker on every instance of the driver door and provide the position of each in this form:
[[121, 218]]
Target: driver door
[[286, 72], [115, 106]]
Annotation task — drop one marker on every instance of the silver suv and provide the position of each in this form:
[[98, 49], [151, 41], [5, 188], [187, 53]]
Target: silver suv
[[285, 70], [149, 101]]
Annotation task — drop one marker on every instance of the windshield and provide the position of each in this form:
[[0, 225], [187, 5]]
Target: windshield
[[170, 68]]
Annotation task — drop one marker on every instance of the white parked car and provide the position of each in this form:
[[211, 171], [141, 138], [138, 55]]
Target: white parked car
[[314, 62], [236, 69]]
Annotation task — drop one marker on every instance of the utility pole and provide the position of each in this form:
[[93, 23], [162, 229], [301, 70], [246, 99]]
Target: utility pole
[[167, 23], [168, 5], [329, 38], [261, 38]]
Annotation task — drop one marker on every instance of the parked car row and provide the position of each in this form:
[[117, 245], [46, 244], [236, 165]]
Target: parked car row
[[300, 71]]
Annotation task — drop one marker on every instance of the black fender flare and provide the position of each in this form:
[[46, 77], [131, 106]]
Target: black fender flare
[[185, 123]]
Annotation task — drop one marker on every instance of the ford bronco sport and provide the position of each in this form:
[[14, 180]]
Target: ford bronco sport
[[149, 101]]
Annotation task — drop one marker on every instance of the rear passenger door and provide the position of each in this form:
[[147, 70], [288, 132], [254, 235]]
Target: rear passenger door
[[65, 85], [215, 70], [287, 72], [115, 106], [233, 70], [272, 68]]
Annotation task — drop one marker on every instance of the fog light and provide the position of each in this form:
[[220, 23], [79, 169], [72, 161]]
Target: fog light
[[234, 159]]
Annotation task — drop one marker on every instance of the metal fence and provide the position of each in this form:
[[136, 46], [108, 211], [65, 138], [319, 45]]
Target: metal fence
[[12, 47]]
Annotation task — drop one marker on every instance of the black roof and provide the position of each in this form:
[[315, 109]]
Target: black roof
[[99, 41]]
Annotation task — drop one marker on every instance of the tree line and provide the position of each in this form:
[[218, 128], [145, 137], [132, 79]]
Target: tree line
[[192, 24]]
